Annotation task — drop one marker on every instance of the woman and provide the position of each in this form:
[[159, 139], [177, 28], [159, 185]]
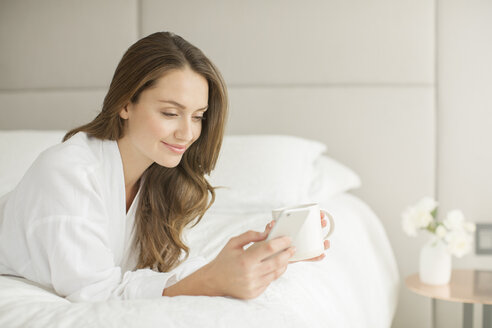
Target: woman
[[101, 215]]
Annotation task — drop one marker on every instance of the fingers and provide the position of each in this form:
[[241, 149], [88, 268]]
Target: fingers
[[275, 266], [326, 244], [269, 227], [276, 261], [246, 238], [315, 259], [323, 220], [268, 278], [272, 269], [266, 249]]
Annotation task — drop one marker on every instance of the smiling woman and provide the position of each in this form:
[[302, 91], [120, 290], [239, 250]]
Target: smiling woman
[[153, 125], [163, 66], [103, 213]]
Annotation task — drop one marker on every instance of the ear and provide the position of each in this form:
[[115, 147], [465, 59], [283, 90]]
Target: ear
[[124, 112]]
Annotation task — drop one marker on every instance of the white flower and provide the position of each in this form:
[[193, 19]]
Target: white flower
[[414, 218], [459, 242], [454, 231], [423, 219], [441, 232], [455, 220], [419, 216], [426, 204]]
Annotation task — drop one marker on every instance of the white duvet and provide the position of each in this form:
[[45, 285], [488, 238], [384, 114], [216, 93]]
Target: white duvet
[[354, 286]]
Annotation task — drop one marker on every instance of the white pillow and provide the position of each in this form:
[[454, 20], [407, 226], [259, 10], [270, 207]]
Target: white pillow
[[261, 172], [19, 149], [331, 178]]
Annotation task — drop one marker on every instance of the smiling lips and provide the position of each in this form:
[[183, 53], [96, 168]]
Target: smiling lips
[[179, 149]]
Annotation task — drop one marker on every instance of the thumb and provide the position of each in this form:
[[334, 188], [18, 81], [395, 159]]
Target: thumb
[[246, 238]]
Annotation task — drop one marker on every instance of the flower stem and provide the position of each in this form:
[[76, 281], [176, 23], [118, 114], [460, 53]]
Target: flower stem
[[432, 227]]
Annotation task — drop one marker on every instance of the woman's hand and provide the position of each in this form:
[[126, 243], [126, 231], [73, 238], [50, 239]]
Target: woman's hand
[[247, 273], [242, 273], [326, 242], [238, 272]]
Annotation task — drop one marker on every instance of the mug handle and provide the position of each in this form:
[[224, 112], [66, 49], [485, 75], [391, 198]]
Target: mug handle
[[331, 221]]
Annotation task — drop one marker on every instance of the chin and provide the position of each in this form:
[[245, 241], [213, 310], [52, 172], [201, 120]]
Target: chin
[[169, 163]]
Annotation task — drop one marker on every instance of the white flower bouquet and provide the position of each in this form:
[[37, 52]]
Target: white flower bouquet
[[454, 231]]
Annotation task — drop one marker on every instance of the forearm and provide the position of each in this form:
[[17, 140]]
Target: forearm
[[198, 283]]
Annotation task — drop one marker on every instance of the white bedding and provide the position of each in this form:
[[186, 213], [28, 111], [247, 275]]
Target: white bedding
[[354, 286]]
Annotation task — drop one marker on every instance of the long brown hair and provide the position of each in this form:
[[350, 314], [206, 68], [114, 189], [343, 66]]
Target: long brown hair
[[170, 198]]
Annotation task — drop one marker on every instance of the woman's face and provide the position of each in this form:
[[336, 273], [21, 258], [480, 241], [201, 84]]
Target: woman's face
[[167, 117]]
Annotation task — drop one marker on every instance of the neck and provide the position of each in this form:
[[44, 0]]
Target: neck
[[134, 164]]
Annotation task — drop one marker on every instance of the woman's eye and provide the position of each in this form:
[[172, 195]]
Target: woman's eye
[[195, 118]]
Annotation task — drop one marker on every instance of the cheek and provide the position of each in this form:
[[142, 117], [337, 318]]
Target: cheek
[[157, 126], [197, 131], [145, 126]]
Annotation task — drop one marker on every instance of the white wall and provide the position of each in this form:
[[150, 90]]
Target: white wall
[[464, 103], [398, 90]]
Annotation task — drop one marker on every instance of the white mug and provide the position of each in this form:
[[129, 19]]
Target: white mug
[[303, 224]]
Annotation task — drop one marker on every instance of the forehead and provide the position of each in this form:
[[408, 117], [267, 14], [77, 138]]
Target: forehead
[[183, 85]]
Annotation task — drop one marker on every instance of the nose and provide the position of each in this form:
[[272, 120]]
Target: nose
[[185, 130]]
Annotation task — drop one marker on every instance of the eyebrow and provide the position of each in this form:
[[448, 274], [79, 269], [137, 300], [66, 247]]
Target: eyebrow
[[177, 104]]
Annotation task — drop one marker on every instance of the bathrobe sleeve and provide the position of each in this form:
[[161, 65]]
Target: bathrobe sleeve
[[73, 251], [69, 240]]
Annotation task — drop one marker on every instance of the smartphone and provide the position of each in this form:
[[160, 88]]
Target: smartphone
[[288, 224]]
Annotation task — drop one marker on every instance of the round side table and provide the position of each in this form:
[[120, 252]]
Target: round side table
[[466, 286]]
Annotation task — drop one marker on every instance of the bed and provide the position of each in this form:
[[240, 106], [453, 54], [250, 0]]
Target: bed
[[356, 285]]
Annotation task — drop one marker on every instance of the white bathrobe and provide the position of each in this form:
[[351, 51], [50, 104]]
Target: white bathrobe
[[65, 226]]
